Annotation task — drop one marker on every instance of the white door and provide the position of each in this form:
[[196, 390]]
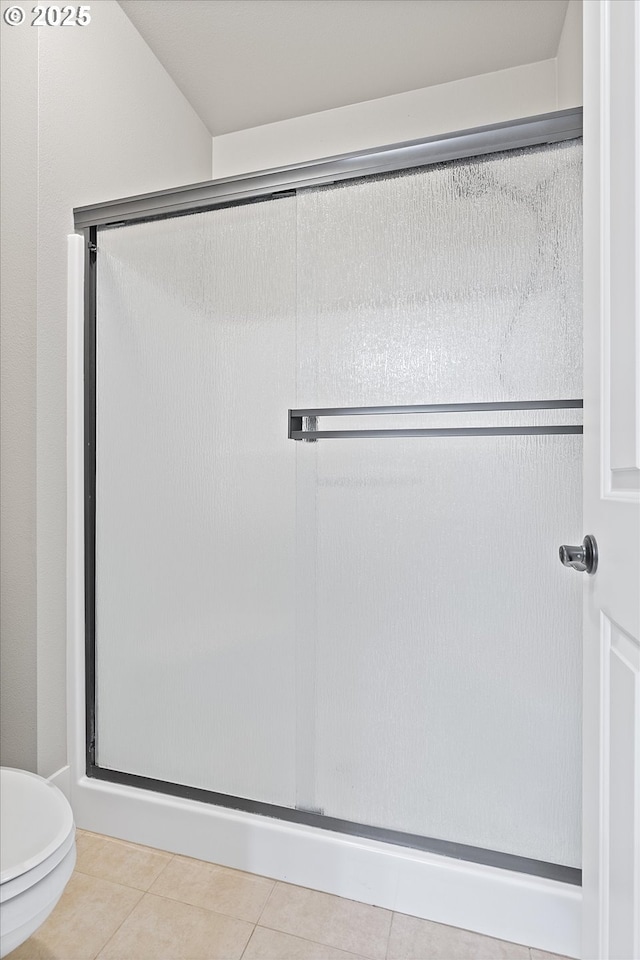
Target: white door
[[611, 813]]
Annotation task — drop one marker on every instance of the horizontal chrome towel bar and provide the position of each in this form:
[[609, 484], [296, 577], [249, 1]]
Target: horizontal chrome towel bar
[[443, 432], [297, 417]]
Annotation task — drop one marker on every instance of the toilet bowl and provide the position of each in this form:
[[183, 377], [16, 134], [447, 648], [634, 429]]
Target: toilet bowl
[[37, 853]]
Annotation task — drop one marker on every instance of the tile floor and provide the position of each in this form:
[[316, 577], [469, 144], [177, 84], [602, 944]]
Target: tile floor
[[128, 902]]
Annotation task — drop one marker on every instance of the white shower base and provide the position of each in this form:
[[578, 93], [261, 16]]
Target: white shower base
[[499, 903]]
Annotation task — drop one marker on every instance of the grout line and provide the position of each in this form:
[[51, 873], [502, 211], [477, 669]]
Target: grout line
[[92, 876], [121, 883], [318, 943], [386, 952], [124, 919], [155, 879], [248, 941], [196, 906], [271, 892], [393, 916]]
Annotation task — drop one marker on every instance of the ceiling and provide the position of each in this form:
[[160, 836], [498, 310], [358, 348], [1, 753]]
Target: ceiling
[[243, 63]]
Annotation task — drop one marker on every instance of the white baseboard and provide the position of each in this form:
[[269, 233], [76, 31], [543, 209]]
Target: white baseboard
[[499, 903], [62, 779]]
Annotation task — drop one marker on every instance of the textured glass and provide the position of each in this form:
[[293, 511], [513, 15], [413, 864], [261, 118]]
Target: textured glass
[[447, 648], [446, 635], [379, 630], [453, 284], [196, 478]]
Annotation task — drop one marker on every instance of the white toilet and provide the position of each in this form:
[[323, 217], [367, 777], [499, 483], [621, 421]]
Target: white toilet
[[37, 853]]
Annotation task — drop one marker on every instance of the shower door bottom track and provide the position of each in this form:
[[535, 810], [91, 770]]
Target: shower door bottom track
[[445, 848]]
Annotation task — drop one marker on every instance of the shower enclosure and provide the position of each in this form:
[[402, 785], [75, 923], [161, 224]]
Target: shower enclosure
[[333, 440]]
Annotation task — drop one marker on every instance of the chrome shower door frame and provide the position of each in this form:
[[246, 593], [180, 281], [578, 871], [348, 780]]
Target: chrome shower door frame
[[231, 191]]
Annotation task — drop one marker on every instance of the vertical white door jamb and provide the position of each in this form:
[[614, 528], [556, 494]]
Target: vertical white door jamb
[[611, 754]]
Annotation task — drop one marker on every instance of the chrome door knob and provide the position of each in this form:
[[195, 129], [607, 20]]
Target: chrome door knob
[[583, 558]]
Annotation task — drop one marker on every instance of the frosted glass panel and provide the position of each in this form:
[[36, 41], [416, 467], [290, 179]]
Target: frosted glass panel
[[195, 535], [446, 560], [376, 630], [446, 635], [456, 283]]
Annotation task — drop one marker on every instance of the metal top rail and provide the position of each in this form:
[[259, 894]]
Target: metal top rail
[[264, 184]]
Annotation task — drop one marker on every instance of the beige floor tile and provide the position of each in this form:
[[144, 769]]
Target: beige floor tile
[[201, 884], [160, 929], [541, 955], [273, 945], [88, 914], [84, 841], [413, 939], [119, 861], [323, 918]]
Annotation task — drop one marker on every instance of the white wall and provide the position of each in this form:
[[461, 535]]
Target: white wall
[[490, 98], [18, 397], [472, 102], [527, 90], [109, 122], [569, 59]]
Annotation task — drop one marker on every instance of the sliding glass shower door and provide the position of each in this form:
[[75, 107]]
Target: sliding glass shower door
[[373, 630], [195, 495]]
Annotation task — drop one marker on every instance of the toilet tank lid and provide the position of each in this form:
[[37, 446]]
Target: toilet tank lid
[[35, 819]]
